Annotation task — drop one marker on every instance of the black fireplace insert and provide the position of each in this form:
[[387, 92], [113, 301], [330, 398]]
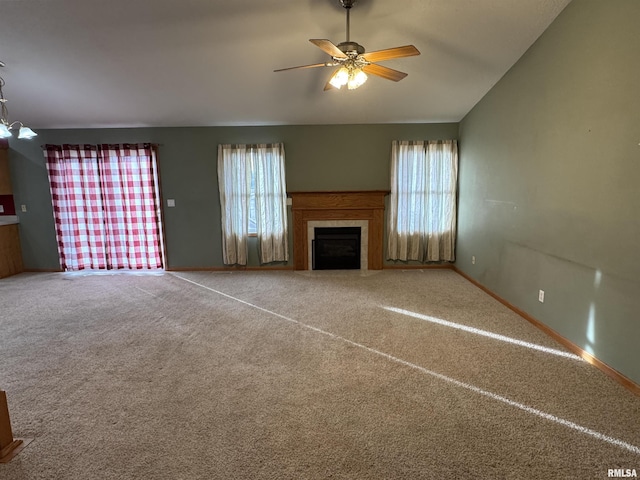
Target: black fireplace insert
[[336, 248]]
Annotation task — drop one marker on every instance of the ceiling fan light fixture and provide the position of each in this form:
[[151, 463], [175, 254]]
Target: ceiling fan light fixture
[[352, 77], [356, 79], [340, 78]]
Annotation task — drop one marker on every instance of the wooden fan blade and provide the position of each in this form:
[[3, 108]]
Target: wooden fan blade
[[328, 47], [328, 86], [384, 72], [305, 66], [389, 53]]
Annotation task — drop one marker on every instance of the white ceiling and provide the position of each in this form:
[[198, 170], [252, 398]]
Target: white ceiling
[[131, 63]]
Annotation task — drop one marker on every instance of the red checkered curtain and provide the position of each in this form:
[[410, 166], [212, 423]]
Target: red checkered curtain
[[106, 206], [131, 205], [77, 206]]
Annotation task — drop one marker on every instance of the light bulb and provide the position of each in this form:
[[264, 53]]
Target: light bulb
[[339, 78], [356, 79]]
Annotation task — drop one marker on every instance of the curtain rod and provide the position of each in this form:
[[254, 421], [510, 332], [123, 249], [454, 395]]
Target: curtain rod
[[155, 145]]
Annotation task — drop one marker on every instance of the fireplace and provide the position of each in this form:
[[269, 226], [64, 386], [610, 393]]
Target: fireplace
[[362, 209], [336, 248]]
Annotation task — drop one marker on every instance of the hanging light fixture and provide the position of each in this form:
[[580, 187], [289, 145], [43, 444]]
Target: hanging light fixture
[[350, 74], [357, 77], [340, 77], [24, 132]]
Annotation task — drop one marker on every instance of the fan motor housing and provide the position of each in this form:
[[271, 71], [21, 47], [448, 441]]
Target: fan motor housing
[[346, 47]]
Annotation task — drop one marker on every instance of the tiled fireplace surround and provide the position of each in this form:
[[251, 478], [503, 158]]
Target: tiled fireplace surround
[[364, 209]]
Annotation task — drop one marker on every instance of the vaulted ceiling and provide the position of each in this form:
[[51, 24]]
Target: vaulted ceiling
[[130, 63]]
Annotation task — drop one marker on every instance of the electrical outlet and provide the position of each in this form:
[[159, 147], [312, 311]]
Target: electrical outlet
[[1, 208], [473, 260], [171, 202], [541, 296], [23, 208]]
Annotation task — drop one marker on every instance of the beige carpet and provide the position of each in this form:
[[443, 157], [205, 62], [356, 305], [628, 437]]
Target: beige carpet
[[283, 375]]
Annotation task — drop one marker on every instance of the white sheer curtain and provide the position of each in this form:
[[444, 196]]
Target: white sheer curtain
[[238, 165], [234, 183], [422, 208], [271, 202]]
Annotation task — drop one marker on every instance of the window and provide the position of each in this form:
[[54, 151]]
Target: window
[[422, 208], [253, 198]]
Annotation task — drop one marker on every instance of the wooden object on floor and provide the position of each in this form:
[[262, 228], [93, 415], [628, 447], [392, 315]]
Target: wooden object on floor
[[9, 446]]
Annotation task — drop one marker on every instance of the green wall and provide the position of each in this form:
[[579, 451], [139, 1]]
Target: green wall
[[549, 182], [318, 157]]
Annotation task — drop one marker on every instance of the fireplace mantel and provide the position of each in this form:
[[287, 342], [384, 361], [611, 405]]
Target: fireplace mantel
[[326, 206]]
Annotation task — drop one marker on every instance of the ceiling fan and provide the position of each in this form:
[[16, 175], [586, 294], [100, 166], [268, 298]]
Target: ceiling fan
[[354, 64]]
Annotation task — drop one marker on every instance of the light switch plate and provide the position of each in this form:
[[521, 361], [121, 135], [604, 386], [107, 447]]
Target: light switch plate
[[171, 202]]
